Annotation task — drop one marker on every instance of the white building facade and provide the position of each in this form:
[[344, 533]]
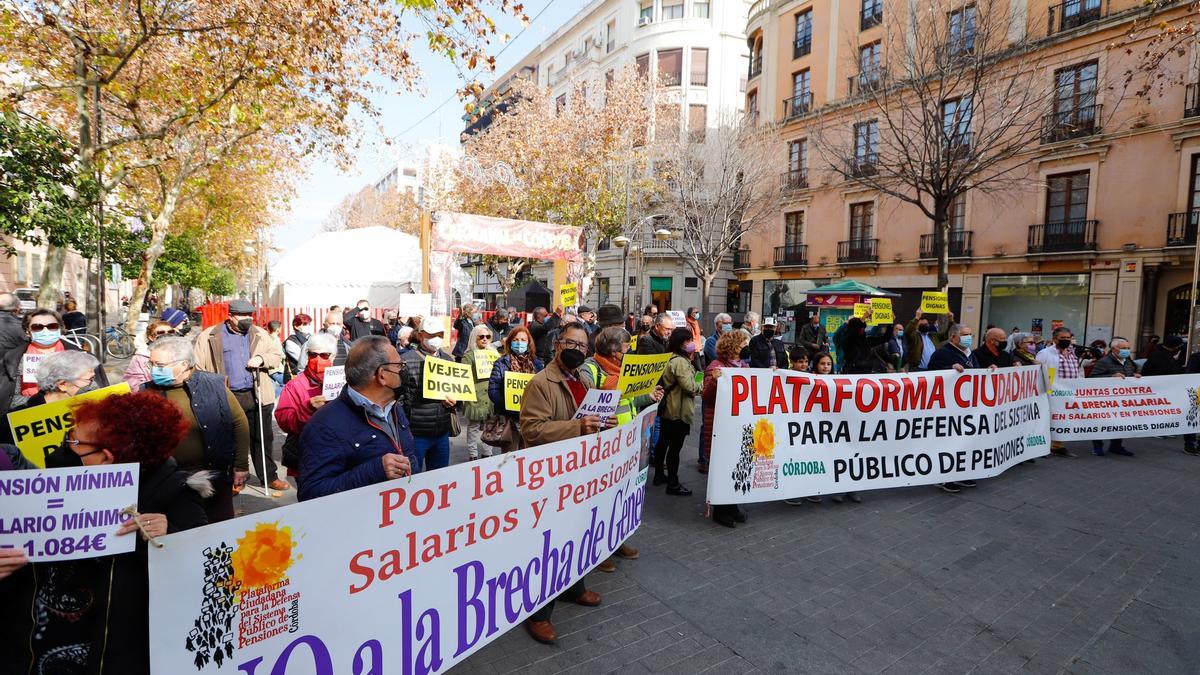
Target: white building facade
[[698, 48]]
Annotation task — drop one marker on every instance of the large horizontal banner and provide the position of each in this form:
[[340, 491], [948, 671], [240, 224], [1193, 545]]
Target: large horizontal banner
[[1104, 408], [468, 233], [408, 576], [785, 434]]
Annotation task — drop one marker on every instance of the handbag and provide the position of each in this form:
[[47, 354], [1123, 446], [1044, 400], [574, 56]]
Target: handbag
[[455, 425], [497, 431]]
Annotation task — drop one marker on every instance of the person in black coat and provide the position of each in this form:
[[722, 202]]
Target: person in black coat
[[655, 341], [543, 328], [359, 322], [955, 353], [763, 350], [1164, 359], [467, 319], [106, 629], [11, 331], [860, 348], [992, 352]]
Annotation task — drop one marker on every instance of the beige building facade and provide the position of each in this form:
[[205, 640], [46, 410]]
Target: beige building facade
[[1098, 233]]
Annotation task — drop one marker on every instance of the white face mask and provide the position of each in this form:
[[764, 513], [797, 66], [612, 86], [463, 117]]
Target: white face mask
[[434, 343], [305, 330], [334, 329]]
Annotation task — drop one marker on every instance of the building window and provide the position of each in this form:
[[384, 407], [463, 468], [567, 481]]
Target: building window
[[798, 156], [602, 286], [1067, 196], [793, 228], [674, 11], [697, 122], [646, 13], [560, 104], [691, 282], [862, 221], [701, 9], [801, 99], [610, 36], [872, 14], [869, 64], [608, 80], [752, 105], [745, 79], [1076, 13], [643, 65], [956, 121], [631, 281], [670, 66], [699, 67], [1035, 302], [666, 125], [22, 270], [35, 267], [962, 31], [866, 144], [958, 213], [737, 296], [803, 41], [1075, 88]]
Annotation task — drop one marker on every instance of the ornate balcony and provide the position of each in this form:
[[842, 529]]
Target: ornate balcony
[[1065, 236], [858, 251], [1181, 228], [791, 255], [960, 245]]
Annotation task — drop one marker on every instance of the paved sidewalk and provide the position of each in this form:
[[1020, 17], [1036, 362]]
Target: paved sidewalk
[[1080, 566]]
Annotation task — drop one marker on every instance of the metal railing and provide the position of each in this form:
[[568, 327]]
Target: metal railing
[[756, 63], [741, 259], [960, 245], [1068, 235], [866, 81], [1181, 228], [1073, 123], [870, 19], [865, 165], [858, 250], [1073, 14], [798, 105], [1191, 100], [757, 8], [796, 179], [802, 46], [791, 254]]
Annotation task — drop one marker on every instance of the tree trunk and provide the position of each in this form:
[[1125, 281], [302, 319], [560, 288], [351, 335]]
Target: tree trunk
[[52, 276], [158, 234], [705, 289], [589, 269], [941, 226]]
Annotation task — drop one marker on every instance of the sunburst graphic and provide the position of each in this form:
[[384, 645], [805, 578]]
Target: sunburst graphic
[[764, 439]]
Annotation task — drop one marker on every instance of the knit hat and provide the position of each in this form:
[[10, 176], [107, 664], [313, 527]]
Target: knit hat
[[609, 315], [174, 316]]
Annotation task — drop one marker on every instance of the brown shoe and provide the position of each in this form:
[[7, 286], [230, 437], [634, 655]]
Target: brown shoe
[[280, 484], [607, 565], [542, 631], [628, 552], [588, 599]]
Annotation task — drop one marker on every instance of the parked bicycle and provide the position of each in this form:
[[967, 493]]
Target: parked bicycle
[[118, 343]]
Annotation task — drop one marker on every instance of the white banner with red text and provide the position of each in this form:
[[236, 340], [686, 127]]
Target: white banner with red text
[[785, 434], [1103, 408], [416, 573]]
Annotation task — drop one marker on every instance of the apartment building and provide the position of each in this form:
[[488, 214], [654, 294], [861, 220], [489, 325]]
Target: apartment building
[[698, 48], [1099, 234]]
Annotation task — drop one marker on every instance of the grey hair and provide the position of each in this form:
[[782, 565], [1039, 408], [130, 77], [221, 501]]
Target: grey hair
[[1021, 337], [610, 340], [1060, 330], [319, 342], [745, 332], [722, 317], [1111, 343], [367, 355], [9, 302], [751, 317], [475, 333], [64, 367], [955, 330], [662, 317], [500, 313], [178, 348]]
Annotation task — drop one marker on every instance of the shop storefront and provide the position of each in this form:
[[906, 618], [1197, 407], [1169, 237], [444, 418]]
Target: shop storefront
[[784, 299], [1036, 302]]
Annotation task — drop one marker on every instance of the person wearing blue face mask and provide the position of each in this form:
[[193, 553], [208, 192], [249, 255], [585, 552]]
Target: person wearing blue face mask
[[1118, 363], [43, 336], [722, 323], [955, 354], [519, 357]]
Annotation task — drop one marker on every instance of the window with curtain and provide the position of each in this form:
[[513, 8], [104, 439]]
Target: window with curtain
[[697, 122], [672, 11], [701, 9], [1067, 196], [670, 66], [793, 228], [699, 67], [862, 221]]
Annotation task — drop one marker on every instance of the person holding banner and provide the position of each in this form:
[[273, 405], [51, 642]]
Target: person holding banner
[[548, 415], [677, 411], [992, 352], [302, 397], [1025, 349], [481, 357], [519, 357], [430, 418], [218, 437], [18, 375], [729, 348], [92, 615], [363, 436], [1164, 360], [1060, 358], [1118, 363]]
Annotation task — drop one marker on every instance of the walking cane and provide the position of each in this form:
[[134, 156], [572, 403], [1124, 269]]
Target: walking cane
[[262, 438]]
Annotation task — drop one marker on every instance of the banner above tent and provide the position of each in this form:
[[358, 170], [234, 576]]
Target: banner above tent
[[467, 233]]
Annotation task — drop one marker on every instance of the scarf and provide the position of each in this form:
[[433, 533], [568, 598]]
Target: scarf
[[520, 363], [612, 368]]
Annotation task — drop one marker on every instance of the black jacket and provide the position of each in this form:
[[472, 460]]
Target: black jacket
[[947, 355], [116, 587], [813, 338], [359, 328], [10, 373], [758, 352], [544, 335], [986, 359], [11, 333], [429, 417], [1161, 362], [649, 343]]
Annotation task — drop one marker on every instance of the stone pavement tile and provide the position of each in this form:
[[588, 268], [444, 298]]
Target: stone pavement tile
[[659, 659], [699, 661], [1087, 668], [731, 666]]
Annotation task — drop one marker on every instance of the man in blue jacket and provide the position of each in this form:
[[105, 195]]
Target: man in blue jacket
[[362, 437]]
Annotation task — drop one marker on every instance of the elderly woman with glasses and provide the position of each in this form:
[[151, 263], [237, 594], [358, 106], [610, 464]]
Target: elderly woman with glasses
[[302, 396], [137, 373], [1025, 349], [43, 337], [218, 436], [481, 356], [60, 376]]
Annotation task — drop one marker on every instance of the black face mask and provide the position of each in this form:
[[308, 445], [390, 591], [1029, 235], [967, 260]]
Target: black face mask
[[243, 325], [1063, 344], [184, 329], [926, 328], [63, 458], [768, 333], [572, 358], [645, 328]]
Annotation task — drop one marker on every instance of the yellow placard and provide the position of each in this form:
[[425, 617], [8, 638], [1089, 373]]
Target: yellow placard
[[861, 310], [484, 360], [881, 312], [633, 343], [935, 302], [444, 379], [640, 373], [514, 389], [39, 430], [1050, 373], [566, 295]]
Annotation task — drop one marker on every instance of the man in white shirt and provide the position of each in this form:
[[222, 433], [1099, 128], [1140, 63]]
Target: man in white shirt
[[1060, 356]]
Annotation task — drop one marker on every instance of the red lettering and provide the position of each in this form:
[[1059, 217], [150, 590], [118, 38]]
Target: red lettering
[[777, 402], [937, 395], [988, 395], [914, 393], [958, 395], [740, 391], [860, 399], [391, 500], [891, 395], [754, 404], [819, 398], [361, 570], [797, 386], [843, 392]]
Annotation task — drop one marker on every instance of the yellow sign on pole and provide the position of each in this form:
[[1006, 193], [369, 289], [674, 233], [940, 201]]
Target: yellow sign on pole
[[881, 312], [484, 360], [514, 389], [935, 302], [567, 295], [640, 373], [38, 431], [444, 379]]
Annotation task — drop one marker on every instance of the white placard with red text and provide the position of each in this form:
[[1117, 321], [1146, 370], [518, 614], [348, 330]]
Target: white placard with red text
[[1103, 408]]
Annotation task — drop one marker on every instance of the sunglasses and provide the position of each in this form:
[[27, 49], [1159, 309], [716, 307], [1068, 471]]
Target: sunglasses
[[43, 326], [160, 333], [320, 355], [484, 337]]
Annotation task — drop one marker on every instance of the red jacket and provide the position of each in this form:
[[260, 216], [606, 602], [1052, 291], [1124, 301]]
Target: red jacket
[[293, 411]]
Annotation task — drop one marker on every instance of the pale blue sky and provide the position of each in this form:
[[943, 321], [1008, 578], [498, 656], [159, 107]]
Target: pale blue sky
[[324, 184]]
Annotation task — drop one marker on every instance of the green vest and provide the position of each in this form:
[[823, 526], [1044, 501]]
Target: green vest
[[624, 406]]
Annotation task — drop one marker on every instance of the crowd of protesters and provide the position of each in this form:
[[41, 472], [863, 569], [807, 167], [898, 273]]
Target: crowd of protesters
[[202, 406]]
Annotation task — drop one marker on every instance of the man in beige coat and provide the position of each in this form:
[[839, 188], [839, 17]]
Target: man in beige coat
[[244, 354], [547, 409]]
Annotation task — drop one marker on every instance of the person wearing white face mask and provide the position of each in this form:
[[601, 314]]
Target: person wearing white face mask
[[302, 329], [429, 418], [18, 377], [333, 325], [1118, 363]]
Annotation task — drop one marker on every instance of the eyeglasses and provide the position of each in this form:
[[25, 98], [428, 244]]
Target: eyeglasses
[[320, 355], [484, 336], [160, 333], [165, 364], [573, 344], [75, 443], [384, 367], [43, 326]]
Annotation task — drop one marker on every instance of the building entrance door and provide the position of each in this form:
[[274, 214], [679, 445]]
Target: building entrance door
[[660, 292]]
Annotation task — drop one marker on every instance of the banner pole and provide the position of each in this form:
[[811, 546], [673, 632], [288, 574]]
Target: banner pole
[[426, 243]]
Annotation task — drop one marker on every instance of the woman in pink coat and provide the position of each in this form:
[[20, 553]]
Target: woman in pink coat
[[301, 396]]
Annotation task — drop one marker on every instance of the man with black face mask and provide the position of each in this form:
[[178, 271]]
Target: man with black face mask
[[764, 351], [922, 339], [244, 353]]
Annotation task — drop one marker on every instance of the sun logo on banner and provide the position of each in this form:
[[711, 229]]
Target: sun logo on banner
[[764, 439], [756, 467], [263, 555]]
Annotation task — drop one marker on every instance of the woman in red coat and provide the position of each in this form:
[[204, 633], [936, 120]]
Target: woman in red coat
[[729, 348], [302, 396]]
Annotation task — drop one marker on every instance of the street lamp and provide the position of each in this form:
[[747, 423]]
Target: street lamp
[[622, 242]]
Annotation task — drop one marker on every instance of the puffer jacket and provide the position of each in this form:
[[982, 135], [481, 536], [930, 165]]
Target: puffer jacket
[[496, 385], [429, 417], [1109, 366], [679, 380]]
